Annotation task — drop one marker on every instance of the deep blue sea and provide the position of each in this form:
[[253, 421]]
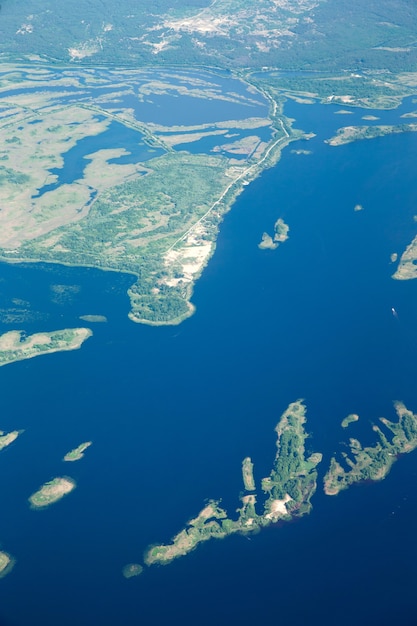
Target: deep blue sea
[[173, 411]]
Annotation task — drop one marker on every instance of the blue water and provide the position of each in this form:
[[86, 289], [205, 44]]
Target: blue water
[[75, 160], [171, 108], [206, 144], [172, 412]]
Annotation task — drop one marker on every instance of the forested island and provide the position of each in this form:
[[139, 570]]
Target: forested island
[[373, 462], [287, 492], [16, 346]]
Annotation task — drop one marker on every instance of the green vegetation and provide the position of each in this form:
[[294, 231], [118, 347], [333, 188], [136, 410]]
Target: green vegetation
[[288, 489], [131, 570], [303, 34], [77, 453], [51, 492], [281, 234], [7, 438], [371, 89], [347, 134], [14, 346], [247, 474], [6, 563], [349, 419], [155, 218], [374, 462]]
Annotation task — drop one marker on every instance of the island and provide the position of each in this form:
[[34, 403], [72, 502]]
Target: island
[[287, 492], [247, 474], [94, 319], [281, 234], [77, 453], [349, 419], [51, 492], [347, 134], [16, 346], [6, 563], [7, 438], [373, 463], [131, 570]]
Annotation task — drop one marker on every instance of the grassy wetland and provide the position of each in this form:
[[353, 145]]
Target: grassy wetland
[[151, 208]]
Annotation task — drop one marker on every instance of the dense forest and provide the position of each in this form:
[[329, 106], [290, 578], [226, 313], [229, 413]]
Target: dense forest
[[378, 34]]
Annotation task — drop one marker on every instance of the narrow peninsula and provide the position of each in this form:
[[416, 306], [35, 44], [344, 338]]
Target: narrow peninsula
[[77, 453], [15, 346], [287, 493], [51, 492], [374, 462]]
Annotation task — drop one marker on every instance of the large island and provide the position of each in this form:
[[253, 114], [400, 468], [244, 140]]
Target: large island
[[15, 346], [287, 493]]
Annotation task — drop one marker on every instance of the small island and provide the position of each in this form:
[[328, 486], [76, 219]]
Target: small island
[[131, 570], [281, 234], [93, 318], [15, 346], [349, 420], [77, 453], [6, 563], [373, 462], [287, 493], [51, 492], [247, 474], [7, 438]]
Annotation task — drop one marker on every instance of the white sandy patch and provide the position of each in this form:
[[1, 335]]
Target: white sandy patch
[[278, 508], [189, 261]]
